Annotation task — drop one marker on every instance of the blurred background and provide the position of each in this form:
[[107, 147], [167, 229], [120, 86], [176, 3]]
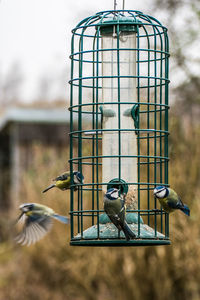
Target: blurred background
[[34, 147]]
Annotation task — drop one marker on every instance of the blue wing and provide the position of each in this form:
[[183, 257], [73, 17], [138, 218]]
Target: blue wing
[[172, 204], [175, 204], [64, 176]]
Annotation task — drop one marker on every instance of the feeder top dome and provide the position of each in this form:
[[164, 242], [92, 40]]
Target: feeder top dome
[[122, 17]]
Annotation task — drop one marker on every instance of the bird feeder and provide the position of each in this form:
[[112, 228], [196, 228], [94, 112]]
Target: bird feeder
[[119, 126]]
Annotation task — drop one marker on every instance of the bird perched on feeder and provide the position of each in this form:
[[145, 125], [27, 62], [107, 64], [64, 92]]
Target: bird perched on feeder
[[63, 181], [169, 200], [115, 208], [37, 221]]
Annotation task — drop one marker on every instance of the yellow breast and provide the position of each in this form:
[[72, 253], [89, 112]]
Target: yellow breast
[[165, 206]]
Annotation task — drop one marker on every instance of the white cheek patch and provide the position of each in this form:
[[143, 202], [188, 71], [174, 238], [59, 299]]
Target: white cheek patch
[[76, 180], [25, 209], [161, 194], [115, 195]]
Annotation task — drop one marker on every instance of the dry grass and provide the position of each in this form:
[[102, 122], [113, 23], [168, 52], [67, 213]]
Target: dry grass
[[51, 269]]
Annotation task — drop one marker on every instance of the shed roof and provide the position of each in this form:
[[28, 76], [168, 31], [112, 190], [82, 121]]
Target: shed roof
[[33, 115]]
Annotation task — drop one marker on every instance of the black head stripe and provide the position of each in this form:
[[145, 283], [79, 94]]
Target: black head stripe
[[160, 191]]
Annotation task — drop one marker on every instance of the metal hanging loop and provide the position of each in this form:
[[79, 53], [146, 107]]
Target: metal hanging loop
[[115, 4], [123, 4]]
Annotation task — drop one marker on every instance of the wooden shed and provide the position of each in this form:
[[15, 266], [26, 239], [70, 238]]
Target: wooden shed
[[19, 128]]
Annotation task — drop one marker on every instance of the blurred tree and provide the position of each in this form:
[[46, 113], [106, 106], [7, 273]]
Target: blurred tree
[[183, 22], [44, 87], [52, 85], [10, 86]]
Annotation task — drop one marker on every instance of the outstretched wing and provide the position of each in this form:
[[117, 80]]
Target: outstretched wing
[[35, 228], [64, 176]]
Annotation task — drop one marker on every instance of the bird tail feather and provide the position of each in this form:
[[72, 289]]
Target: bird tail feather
[[186, 210], [62, 219], [48, 188], [128, 232]]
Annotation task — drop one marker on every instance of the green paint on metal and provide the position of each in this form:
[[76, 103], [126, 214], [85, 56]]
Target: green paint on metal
[[134, 113], [130, 218], [109, 231], [133, 218], [120, 243], [150, 115], [135, 116], [118, 184], [103, 219], [125, 25], [108, 113]]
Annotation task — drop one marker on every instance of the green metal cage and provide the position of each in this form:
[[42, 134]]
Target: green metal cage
[[119, 125]]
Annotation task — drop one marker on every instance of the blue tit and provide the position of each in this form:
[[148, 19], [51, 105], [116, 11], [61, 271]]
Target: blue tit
[[37, 221], [169, 200], [63, 181], [115, 208]]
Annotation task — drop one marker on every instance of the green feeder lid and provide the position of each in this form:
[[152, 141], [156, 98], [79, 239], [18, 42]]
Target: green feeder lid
[[126, 24]]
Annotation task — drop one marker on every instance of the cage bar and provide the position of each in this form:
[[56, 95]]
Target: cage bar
[[119, 96]]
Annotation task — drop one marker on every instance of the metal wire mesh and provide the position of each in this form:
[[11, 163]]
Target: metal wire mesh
[[86, 130]]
